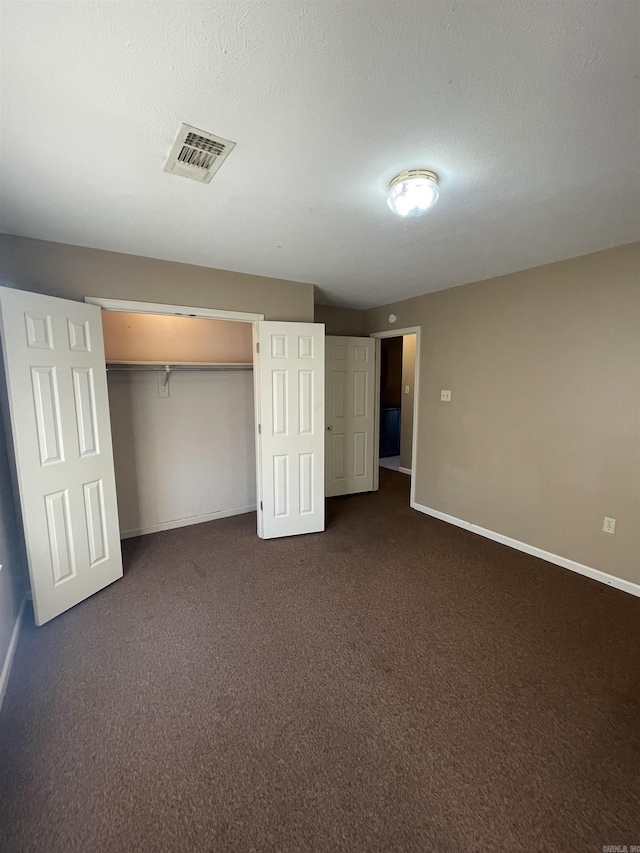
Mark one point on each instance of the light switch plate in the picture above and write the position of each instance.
(445, 396)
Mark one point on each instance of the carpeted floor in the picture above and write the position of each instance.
(395, 684)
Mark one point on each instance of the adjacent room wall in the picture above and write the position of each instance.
(154, 337)
(391, 372)
(75, 272)
(406, 415)
(340, 321)
(541, 438)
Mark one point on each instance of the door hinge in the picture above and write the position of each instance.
(260, 506)
(258, 347)
(259, 429)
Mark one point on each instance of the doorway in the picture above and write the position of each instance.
(182, 419)
(398, 358)
(182, 415)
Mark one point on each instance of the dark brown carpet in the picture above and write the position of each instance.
(395, 684)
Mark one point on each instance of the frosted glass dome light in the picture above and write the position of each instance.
(413, 193)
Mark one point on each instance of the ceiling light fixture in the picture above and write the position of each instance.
(413, 193)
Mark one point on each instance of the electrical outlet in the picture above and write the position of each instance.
(609, 525)
(445, 396)
(407, 389)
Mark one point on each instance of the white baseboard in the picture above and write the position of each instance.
(405, 470)
(594, 574)
(8, 659)
(185, 522)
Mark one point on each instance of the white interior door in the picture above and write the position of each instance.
(350, 422)
(59, 414)
(289, 376)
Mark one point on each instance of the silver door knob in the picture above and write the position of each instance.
(329, 428)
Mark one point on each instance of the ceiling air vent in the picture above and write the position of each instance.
(197, 154)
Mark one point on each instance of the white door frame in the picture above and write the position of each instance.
(397, 333)
(135, 307)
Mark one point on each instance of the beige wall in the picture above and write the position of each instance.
(340, 321)
(153, 337)
(74, 272)
(406, 416)
(541, 439)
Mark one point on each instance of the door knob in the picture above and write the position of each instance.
(329, 428)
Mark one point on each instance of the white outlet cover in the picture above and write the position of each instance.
(609, 525)
(445, 396)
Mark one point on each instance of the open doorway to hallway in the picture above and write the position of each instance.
(397, 396)
(364, 399)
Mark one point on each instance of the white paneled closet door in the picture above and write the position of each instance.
(289, 376)
(59, 413)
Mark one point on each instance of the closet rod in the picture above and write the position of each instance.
(170, 368)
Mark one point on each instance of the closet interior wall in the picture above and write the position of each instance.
(183, 453)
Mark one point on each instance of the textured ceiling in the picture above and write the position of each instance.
(529, 112)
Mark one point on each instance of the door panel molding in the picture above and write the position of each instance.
(350, 418)
(58, 412)
(289, 393)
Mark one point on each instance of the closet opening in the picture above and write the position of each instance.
(181, 399)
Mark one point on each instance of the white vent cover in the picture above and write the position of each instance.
(197, 154)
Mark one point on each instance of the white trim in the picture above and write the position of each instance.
(256, 427)
(185, 522)
(405, 471)
(399, 333)
(180, 310)
(8, 659)
(564, 562)
(376, 419)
